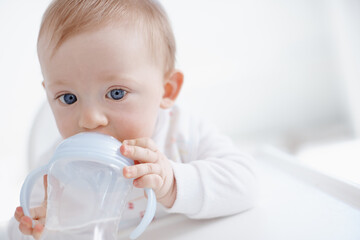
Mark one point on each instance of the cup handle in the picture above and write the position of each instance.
(148, 216)
(27, 187)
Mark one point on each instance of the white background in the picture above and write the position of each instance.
(278, 71)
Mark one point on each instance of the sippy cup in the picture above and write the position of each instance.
(87, 191)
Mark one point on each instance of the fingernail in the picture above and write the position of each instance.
(124, 149)
(127, 149)
(128, 172)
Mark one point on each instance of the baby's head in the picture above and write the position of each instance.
(108, 65)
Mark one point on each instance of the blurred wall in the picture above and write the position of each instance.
(21, 93)
(260, 69)
(346, 28)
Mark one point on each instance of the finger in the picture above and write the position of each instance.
(18, 213)
(25, 225)
(25, 229)
(153, 181)
(37, 231)
(38, 212)
(142, 142)
(139, 170)
(45, 186)
(143, 155)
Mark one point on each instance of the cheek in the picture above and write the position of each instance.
(136, 124)
(65, 125)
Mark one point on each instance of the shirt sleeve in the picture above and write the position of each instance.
(219, 181)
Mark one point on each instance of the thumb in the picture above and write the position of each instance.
(37, 231)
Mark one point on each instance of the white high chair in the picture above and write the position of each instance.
(43, 135)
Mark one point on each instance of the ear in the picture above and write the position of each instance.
(172, 88)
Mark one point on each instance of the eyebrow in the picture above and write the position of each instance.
(108, 78)
(126, 78)
(113, 77)
(56, 82)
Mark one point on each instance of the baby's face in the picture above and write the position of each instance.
(103, 81)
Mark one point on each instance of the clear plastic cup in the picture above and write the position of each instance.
(87, 191)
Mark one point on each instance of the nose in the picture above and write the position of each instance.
(92, 117)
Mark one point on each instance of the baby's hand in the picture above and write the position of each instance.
(38, 214)
(152, 169)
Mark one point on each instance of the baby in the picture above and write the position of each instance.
(108, 67)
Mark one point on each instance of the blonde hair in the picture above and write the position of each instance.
(66, 18)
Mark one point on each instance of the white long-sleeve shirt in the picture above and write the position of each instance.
(214, 178)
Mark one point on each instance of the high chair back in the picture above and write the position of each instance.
(43, 135)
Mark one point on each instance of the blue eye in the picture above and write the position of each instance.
(116, 94)
(68, 98)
